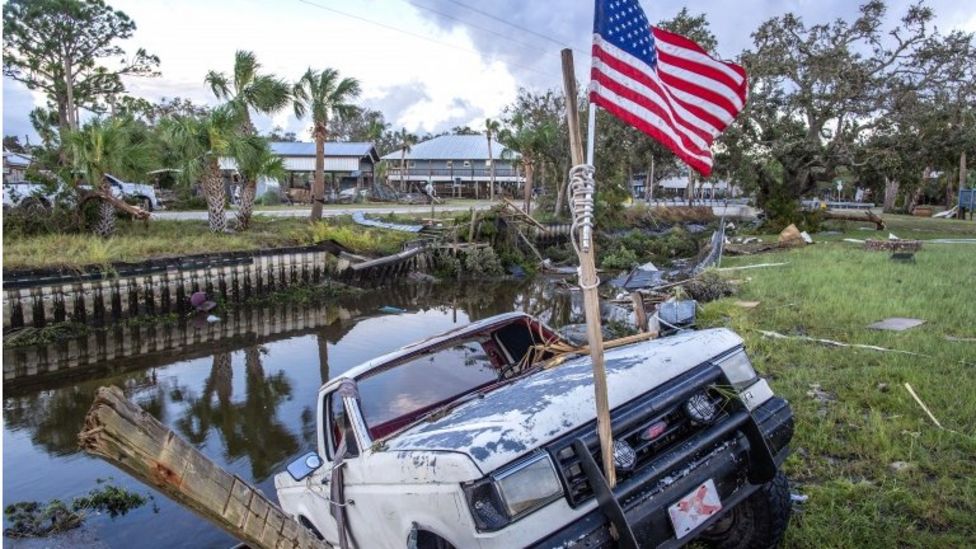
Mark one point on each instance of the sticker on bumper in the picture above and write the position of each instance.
(694, 509)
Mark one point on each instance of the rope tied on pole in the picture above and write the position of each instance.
(582, 189)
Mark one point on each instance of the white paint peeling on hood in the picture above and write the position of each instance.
(519, 417)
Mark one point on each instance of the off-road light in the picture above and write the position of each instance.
(700, 408)
(624, 456)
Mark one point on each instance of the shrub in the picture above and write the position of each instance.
(619, 258)
(482, 262)
(269, 198)
(356, 238)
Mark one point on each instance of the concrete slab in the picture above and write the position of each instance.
(896, 324)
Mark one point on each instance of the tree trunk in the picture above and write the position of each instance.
(890, 195)
(529, 169)
(213, 190)
(70, 94)
(690, 188)
(491, 168)
(246, 208)
(129, 438)
(403, 169)
(649, 183)
(318, 186)
(562, 180)
(917, 193)
(951, 196)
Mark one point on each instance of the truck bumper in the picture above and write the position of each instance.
(739, 455)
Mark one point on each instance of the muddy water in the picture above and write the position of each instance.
(246, 402)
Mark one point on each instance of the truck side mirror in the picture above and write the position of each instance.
(304, 466)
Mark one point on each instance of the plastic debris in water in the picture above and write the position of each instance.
(200, 302)
(392, 310)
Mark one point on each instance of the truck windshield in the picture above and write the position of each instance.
(392, 399)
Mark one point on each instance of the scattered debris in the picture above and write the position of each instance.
(677, 313)
(390, 310)
(806, 237)
(709, 286)
(854, 240)
(791, 237)
(31, 519)
(893, 245)
(900, 466)
(360, 218)
(713, 258)
(747, 304)
(200, 302)
(755, 266)
(883, 387)
(896, 324)
(644, 276)
(821, 396)
(951, 212)
(962, 339)
(799, 498)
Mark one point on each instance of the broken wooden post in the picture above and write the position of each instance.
(129, 438)
(640, 315)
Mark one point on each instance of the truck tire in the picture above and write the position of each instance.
(758, 522)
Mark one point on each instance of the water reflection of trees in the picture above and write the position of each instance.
(54, 418)
(249, 428)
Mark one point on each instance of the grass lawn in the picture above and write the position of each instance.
(135, 241)
(854, 417)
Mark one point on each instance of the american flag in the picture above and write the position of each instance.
(662, 83)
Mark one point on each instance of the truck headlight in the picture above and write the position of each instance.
(513, 492)
(738, 369)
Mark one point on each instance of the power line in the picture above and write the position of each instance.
(469, 24)
(560, 43)
(417, 35)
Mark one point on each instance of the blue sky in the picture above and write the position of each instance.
(427, 64)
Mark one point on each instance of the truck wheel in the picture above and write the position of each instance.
(758, 522)
(428, 540)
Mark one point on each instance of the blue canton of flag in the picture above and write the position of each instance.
(624, 24)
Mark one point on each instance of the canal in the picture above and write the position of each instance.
(245, 400)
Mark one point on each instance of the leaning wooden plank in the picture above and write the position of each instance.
(128, 437)
(868, 217)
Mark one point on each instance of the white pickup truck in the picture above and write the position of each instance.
(499, 448)
(29, 194)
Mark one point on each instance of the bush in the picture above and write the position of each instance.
(356, 238)
(619, 258)
(269, 198)
(482, 262)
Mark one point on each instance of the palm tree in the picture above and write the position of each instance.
(492, 127)
(407, 141)
(531, 142)
(245, 90)
(323, 94)
(108, 146)
(374, 132)
(201, 142)
(254, 165)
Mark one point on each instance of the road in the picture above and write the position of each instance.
(329, 211)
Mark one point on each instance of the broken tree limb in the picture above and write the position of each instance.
(755, 266)
(129, 438)
(640, 315)
(924, 407)
(832, 343)
(519, 213)
(116, 202)
(868, 216)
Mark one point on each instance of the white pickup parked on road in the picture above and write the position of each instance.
(474, 438)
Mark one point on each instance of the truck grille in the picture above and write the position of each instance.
(629, 424)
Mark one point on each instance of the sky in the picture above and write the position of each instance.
(428, 65)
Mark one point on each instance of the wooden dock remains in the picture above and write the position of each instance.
(129, 438)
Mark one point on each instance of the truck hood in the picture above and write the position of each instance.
(519, 417)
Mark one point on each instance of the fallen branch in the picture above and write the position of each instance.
(832, 343)
(756, 266)
(868, 216)
(924, 407)
(119, 204)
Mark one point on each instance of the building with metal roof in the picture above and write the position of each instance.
(456, 165)
(347, 165)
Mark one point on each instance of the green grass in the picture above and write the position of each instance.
(165, 238)
(844, 445)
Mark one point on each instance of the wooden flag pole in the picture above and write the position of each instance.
(587, 276)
